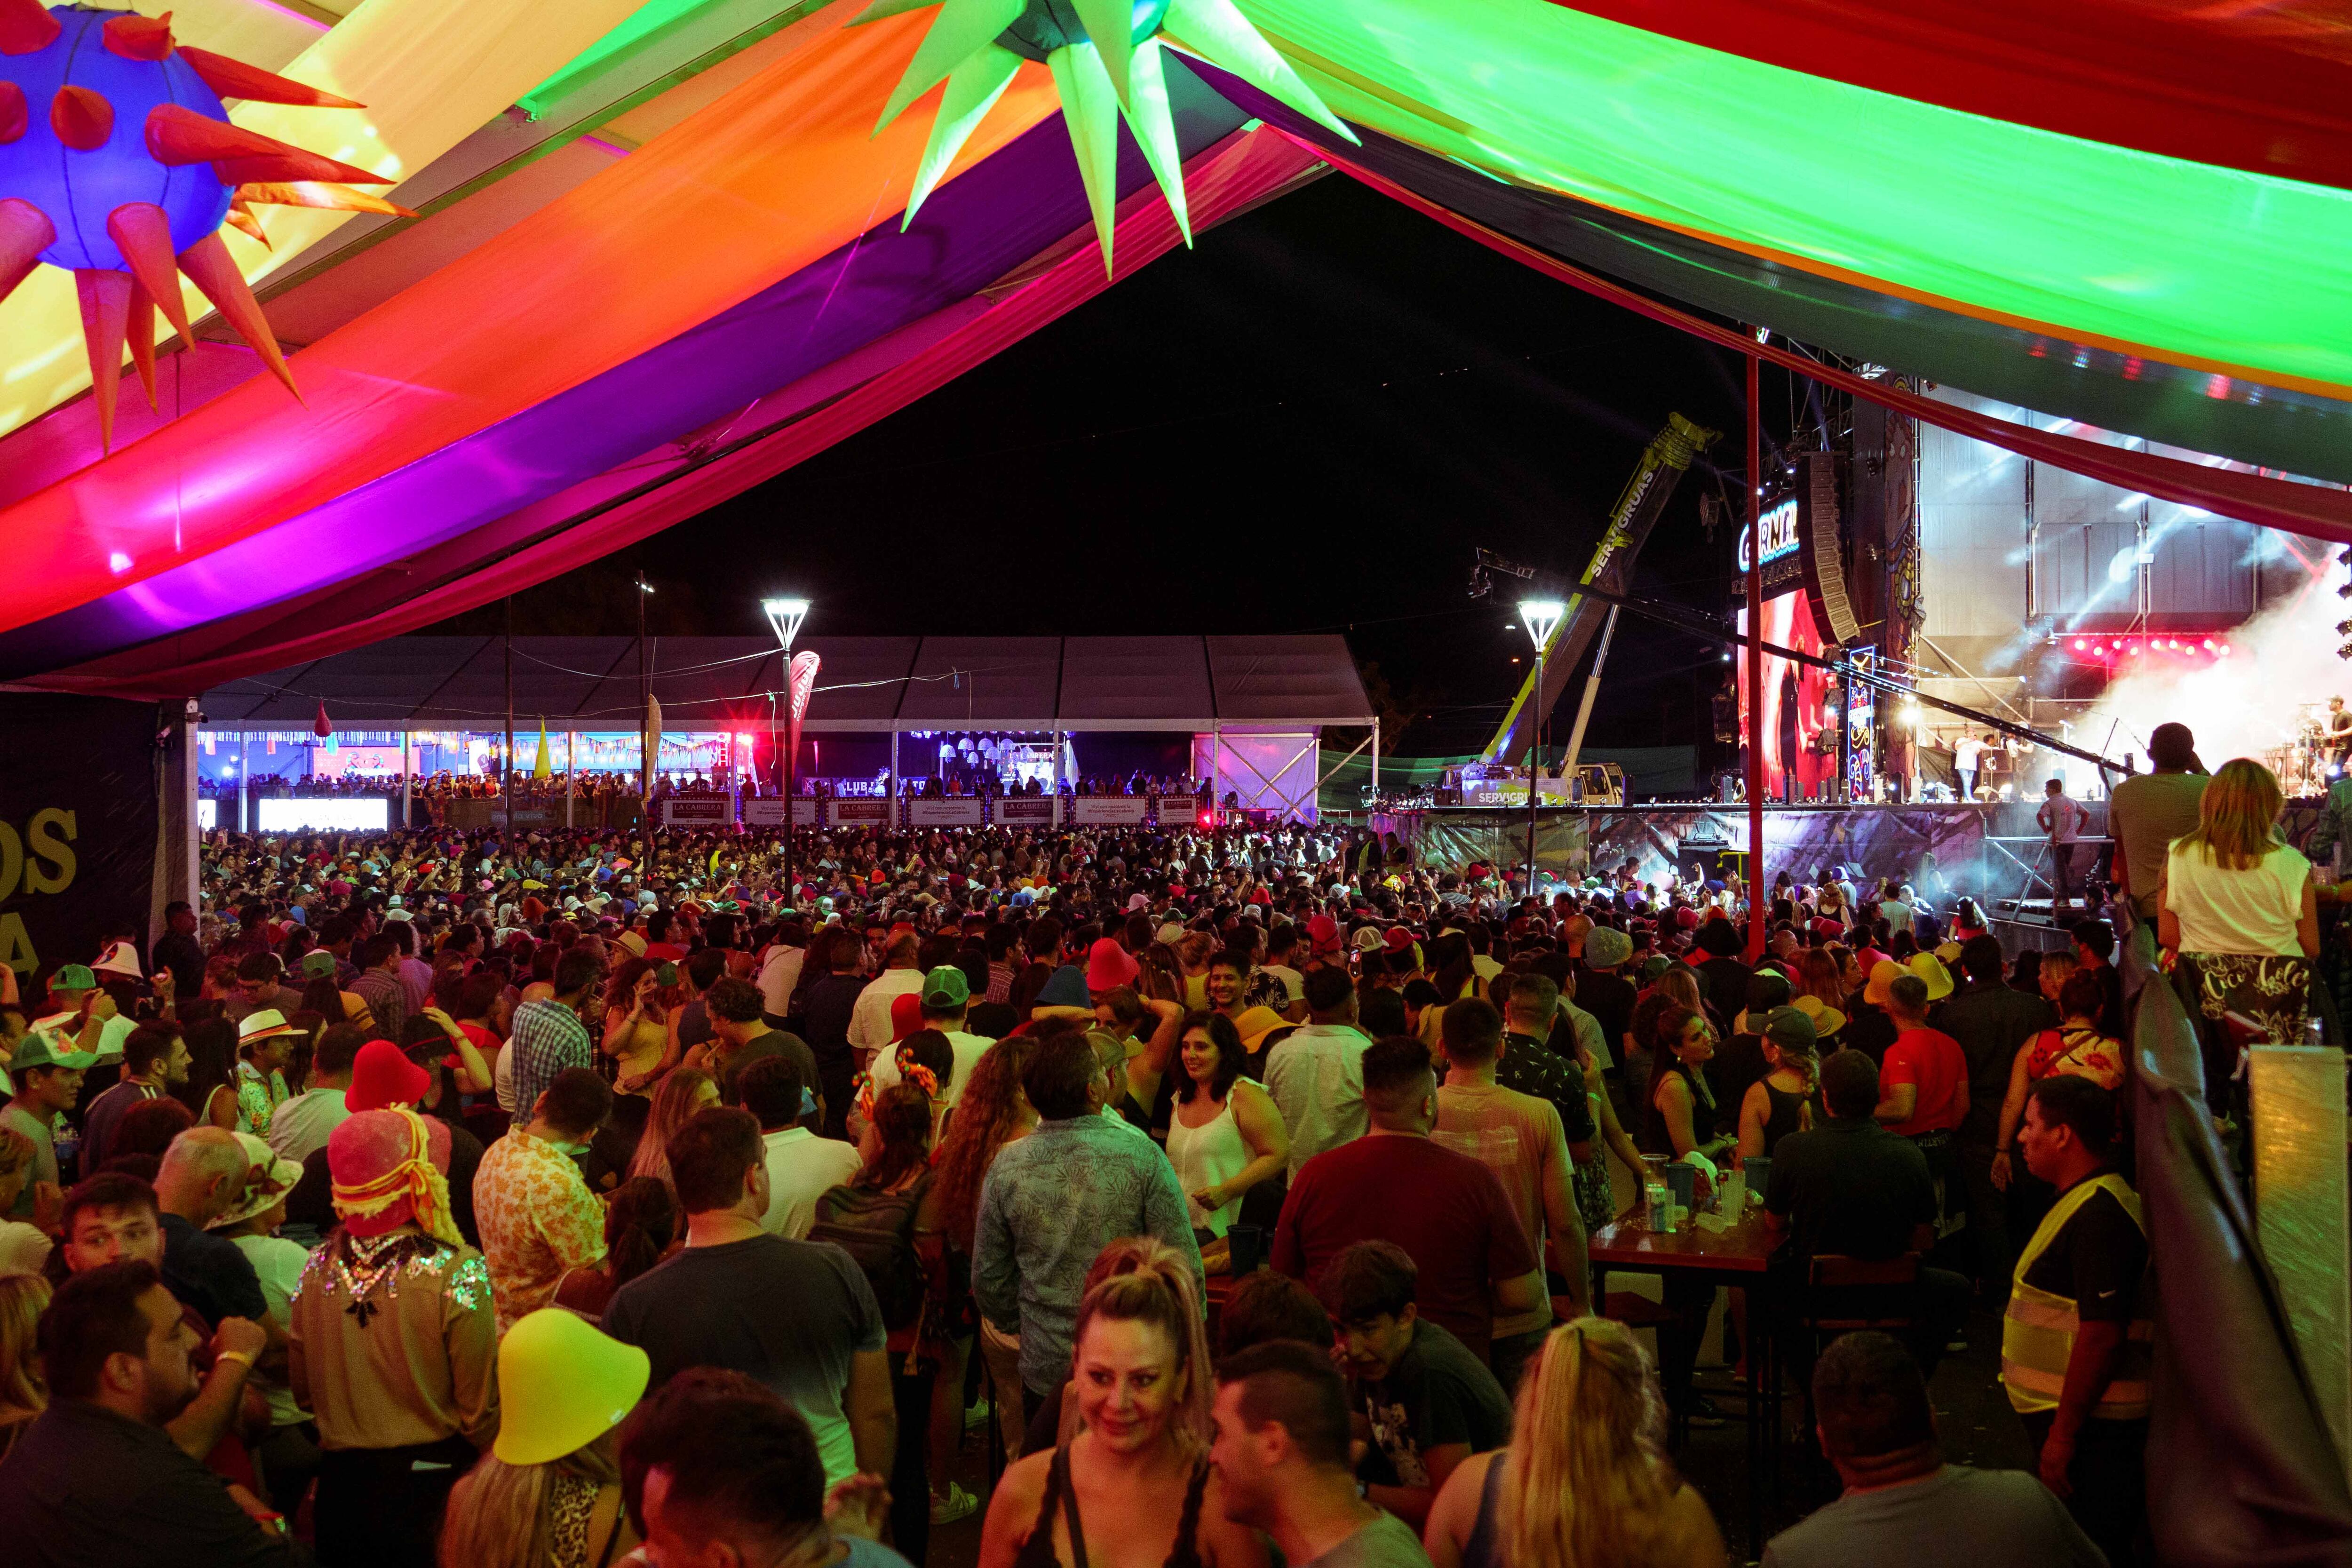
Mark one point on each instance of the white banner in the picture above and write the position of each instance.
(344, 814)
(857, 813)
(1179, 810)
(1026, 810)
(768, 811)
(697, 811)
(1110, 810)
(964, 813)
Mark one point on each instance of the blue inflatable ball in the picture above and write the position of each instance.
(78, 190)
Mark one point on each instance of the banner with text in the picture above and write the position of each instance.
(964, 813)
(857, 813)
(1026, 810)
(76, 826)
(697, 811)
(1179, 810)
(1110, 810)
(768, 811)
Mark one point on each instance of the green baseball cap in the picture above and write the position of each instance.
(1790, 1025)
(73, 977)
(318, 964)
(48, 1048)
(946, 988)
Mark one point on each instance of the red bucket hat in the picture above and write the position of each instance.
(382, 1077)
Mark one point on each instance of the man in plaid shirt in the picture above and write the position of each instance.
(548, 1037)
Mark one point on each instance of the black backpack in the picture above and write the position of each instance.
(877, 1231)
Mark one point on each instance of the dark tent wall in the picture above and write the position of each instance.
(79, 778)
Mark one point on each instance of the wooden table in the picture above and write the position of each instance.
(1738, 1257)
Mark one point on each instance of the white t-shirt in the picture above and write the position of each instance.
(2252, 910)
(1293, 985)
(2063, 818)
(277, 1262)
(778, 974)
(110, 1037)
(802, 1168)
(1965, 754)
(968, 1049)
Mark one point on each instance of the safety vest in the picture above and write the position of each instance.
(2037, 1338)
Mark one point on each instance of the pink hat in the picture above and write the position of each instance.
(1110, 966)
(383, 1076)
(388, 1168)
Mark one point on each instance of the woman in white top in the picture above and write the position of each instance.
(1224, 1135)
(2239, 909)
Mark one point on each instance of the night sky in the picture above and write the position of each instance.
(1306, 423)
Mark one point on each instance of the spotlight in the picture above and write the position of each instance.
(2223, 651)
(2080, 644)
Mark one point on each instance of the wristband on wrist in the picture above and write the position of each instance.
(237, 1356)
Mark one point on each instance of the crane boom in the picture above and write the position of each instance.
(1663, 465)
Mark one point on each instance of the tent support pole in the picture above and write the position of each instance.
(404, 771)
(1755, 664)
(894, 776)
(1376, 759)
(570, 771)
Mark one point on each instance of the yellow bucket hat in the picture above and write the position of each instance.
(562, 1385)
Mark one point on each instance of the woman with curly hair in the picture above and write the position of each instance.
(1585, 1482)
(991, 1113)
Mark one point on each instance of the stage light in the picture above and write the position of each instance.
(2208, 642)
(2223, 651)
(2115, 647)
(2080, 644)
(742, 739)
(784, 619)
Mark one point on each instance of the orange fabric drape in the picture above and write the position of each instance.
(1238, 174)
(777, 173)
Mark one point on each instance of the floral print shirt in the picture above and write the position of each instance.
(537, 1219)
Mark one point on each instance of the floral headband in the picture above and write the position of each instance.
(912, 1072)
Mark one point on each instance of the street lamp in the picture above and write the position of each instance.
(1541, 617)
(785, 618)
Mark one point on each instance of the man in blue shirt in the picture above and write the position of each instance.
(1054, 1199)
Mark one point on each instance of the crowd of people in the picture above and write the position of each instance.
(433, 1196)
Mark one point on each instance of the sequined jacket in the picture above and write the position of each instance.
(395, 1340)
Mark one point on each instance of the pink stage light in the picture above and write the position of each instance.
(2080, 644)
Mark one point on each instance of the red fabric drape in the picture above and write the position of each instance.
(1230, 178)
(2315, 512)
(2259, 86)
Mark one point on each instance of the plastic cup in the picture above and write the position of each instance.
(1247, 1246)
(1757, 1169)
(1683, 1182)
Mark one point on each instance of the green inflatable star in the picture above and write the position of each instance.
(976, 46)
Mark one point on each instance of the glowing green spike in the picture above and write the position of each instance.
(973, 90)
(1155, 129)
(963, 29)
(881, 8)
(1110, 24)
(1090, 113)
(1224, 37)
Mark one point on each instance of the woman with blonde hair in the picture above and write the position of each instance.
(23, 1394)
(684, 1092)
(1138, 1463)
(1585, 1482)
(547, 1494)
(2239, 910)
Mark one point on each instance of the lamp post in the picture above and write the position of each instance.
(784, 619)
(1541, 617)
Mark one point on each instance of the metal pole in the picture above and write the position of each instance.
(244, 767)
(1535, 764)
(792, 745)
(405, 769)
(1754, 670)
(645, 722)
(1054, 817)
(507, 785)
(1592, 689)
(893, 820)
(570, 771)
(1376, 759)
(1216, 774)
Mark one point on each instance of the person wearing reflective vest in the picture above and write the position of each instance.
(2074, 1347)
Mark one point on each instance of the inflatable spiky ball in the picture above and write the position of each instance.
(119, 163)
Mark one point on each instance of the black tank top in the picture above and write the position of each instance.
(1660, 1141)
(1788, 1110)
(1037, 1551)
